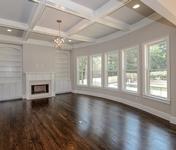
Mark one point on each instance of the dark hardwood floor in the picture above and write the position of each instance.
(78, 122)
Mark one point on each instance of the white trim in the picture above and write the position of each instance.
(34, 18)
(130, 92)
(141, 24)
(13, 24)
(88, 40)
(12, 99)
(156, 98)
(163, 7)
(63, 92)
(106, 55)
(146, 69)
(173, 120)
(111, 89)
(150, 110)
(123, 63)
(77, 70)
(90, 66)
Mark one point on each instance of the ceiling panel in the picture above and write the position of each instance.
(17, 10)
(97, 30)
(14, 32)
(50, 16)
(130, 15)
(92, 4)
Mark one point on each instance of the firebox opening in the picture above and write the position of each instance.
(40, 89)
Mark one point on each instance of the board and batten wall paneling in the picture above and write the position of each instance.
(62, 74)
(10, 72)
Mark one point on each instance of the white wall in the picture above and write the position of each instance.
(38, 58)
(47, 59)
(148, 33)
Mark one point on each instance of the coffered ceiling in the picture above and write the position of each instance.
(84, 22)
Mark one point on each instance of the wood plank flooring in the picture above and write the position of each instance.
(78, 122)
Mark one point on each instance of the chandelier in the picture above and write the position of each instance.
(59, 41)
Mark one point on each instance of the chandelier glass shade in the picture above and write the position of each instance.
(59, 41)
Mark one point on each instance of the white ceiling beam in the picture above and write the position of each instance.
(82, 38)
(71, 7)
(165, 8)
(13, 24)
(48, 31)
(98, 15)
(144, 22)
(79, 26)
(19, 41)
(35, 17)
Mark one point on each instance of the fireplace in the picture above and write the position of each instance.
(39, 89)
(39, 85)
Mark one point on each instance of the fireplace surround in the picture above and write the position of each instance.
(39, 85)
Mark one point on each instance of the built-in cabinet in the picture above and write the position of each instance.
(62, 73)
(10, 72)
(13, 83)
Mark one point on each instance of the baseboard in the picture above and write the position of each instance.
(150, 110)
(11, 99)
(63, 92)
(173, 120)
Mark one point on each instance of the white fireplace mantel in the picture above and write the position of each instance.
(34, 78)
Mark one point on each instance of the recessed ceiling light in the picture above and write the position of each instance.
(70, 40)
(9, 30)
(136, 6)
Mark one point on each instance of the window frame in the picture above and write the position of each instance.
(123, 64)
(91, 71)
(105, 70)
(146, 71)
(77, 71)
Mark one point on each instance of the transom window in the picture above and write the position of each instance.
(156, 73)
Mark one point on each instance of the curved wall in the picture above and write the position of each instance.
(149, 33)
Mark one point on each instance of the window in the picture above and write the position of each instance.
(111, 69)
(156, 69)
(96, 63)
(130, 69)
(82, 64)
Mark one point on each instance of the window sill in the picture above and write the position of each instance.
(96, 87)
(78, 85)
(111, 89)
(130, 92)
(158, 99)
